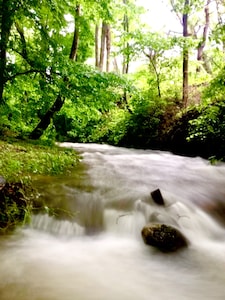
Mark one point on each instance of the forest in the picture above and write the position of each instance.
(112, 149)
(97, 71)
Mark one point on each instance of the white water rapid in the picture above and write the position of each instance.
(101, 254)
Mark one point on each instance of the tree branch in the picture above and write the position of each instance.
(27, 72)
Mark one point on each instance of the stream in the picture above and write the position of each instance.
(98, 252)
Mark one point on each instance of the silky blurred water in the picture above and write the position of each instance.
(99, 253)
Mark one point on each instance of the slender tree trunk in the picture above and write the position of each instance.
(6, 21)
(74, 48)
(206, 63)
(200, 54)
(126, 57)
(115, 65)
(185, 78)
(185, 54)
(103, 42)
(108, 47)
(96, 46)
(152, 61)
(158, 84)
(157, 74)
(220, 17)
(105, 46)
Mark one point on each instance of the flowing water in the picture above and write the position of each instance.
(99, 253)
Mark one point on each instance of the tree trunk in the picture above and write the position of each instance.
(6, 21)
(108, 47)
(96, 46)
(105, 45)
(185, 54)
(126, 57)
(102, 51)
(206, 63)
(220, 16)
(46, 119)
(185, 78)
(157, 74)
(153, 62)
(74, 48)
(200, 54)
(115, 65)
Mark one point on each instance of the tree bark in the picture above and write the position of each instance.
(74, 48)
(115, 65)
(152, 61)
(108, 47)
(103, 42)
(46, 119)
(200, 54)
(126, 57)
(185, 53)
(6, 21)
(96, 46)
(105, 47)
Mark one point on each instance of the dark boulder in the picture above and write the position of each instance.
(164, 237)
(13, 205)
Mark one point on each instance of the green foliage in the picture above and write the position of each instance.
(112, 127)
(37, 38)
(187, 7)
(209, 128)
(144, 123)
(19, 161)
(169, 79)
(88, 93)
(162, 76)
(95, 95)
(76, 123)
(216, 88)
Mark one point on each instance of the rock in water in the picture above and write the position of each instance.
(157, 197)
(164, 237)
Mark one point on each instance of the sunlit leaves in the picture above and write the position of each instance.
(187, 7)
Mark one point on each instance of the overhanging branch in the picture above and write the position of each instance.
(25, 73)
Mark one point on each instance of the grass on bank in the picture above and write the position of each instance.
(20, 160)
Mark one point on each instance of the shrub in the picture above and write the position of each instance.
(209, 129)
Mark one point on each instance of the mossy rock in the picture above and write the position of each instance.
(164, 237)
(13, 205)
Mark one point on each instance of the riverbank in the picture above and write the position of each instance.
(19, 162)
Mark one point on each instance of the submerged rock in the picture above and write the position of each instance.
(164, 237)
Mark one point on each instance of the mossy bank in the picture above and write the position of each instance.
(19, 162)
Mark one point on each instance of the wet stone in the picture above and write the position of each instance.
(12, 205)
(164, 237)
